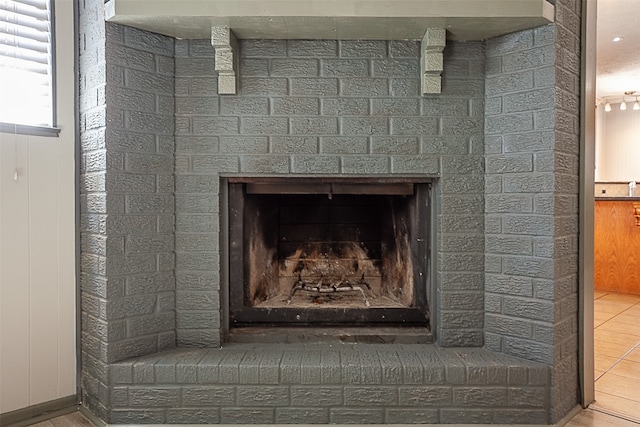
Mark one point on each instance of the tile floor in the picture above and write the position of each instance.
(592, 418)
(585, 418)
(617, 354)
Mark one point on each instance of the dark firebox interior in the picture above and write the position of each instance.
(328, 253)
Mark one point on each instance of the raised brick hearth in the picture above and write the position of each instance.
(338, 384)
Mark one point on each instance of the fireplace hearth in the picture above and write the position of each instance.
(329, 251)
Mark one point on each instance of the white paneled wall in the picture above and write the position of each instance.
(37, 250)
(618, 144)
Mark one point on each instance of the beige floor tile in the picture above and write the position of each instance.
(75, 419)
(616, 325)
(623, 298)
(594, 418)
(610, 349)
(634, 308)
(617, 404)
(599, 294)
(632, 314)
(604, 363)
(600, 318)
(610, 307)
(603, 334)
(619, 386)
(615, 305)
(629, 369)
(634, 356)
(629, 317)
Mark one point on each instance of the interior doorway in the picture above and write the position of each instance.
(610, 338)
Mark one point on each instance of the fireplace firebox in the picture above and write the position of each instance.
(329, 251)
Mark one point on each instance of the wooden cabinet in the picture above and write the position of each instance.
(617, 247)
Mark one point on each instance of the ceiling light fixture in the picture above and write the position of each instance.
(623, 105)
(617, 39)
(607, 107)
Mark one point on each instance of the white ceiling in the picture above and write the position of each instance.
(618, 63)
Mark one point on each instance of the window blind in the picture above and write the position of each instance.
(26, 57)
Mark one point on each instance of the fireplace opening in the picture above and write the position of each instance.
(320, 251)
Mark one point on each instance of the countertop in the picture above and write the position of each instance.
(617, 199)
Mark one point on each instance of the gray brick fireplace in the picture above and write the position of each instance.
(498, 149)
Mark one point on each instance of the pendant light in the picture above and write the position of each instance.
(623, 105)
(607, 107)
(636, 105)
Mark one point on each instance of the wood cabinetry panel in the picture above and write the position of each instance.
(617, 248)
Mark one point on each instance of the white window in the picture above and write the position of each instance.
(26, 64)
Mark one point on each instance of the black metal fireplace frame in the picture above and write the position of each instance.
(241, 315)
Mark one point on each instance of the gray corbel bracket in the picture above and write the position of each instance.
(431, 62)
(225, 46)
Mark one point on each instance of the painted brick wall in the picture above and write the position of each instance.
(93, 204)
(520, 187)
(532, 169)
(140, 184)
(328, 108)
(127, 201)
(565, 374)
